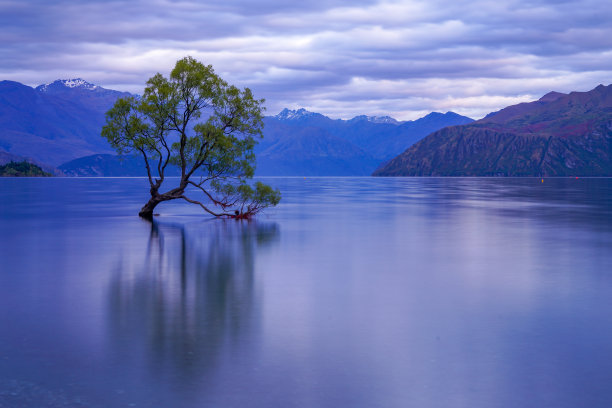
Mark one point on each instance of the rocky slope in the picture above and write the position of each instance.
(558, 135)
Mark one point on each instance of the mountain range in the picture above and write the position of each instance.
(557, 135)
(57, 126)
(299, 142)
(54, 123)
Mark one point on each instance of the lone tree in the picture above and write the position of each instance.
(196, 121)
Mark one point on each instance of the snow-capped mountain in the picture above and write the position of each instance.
(299, 114)
(67, 83)
(300, 142)
(55, 122)
(376, 119)
(83, 92)
(81, 89)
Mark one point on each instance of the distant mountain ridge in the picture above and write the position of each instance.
(300, 142)
(110, 165)
(302, 114)
(376, 119)
(62, 84)
(58, 125)
(56, 122)
(557, 135)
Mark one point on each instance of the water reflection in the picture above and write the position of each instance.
(191, 298)
(381, 293)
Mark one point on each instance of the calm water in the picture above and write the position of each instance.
(354, 292)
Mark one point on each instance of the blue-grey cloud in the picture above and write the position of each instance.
(338, 57)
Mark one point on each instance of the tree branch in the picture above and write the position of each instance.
(148, 167)
(222, 203)
(204, 207)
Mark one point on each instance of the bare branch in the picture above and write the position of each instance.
(204, 207)
(223, 203)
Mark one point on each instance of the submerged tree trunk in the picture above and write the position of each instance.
(146, 211)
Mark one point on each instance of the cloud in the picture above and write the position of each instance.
(338, 57)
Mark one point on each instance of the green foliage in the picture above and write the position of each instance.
(197, 121)
(22, 169)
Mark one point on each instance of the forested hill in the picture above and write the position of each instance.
(557, 135)
(22, 169)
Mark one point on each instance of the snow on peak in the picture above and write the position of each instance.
(287, 114)
(376, 119)
(78, 83)
(383, 119)
(69, 83)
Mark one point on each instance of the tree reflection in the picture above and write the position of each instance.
(189, 298)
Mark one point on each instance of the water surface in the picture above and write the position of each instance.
(354, 292)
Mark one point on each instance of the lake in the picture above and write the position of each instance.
(353, 292)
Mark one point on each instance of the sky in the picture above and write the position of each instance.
(336, 57)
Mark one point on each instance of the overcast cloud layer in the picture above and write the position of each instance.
(340, 58)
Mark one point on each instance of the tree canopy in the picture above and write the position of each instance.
(194, 120)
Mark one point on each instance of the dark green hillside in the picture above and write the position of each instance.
(22, 169)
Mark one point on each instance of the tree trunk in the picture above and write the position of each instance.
(147, 211)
